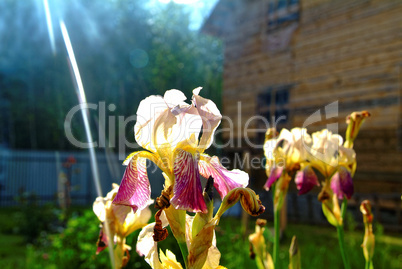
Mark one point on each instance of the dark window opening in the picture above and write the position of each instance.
(273, 105)
(282, 13)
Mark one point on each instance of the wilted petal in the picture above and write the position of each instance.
(276, 173)
(147, 247)
(200, 245)
(102, 241)
(134, 189)
(187, 189)
(342, 183)
(210, 115)
(224, 180)
(306, 179)
(213, 258)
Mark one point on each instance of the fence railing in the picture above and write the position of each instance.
(38, 174)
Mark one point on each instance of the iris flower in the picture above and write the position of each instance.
(285, 153)
(199, 232)
(122, 222)
(169, 130)
(258, 248)
(333, 161)
(147, 247)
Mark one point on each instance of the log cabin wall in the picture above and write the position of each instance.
(344, 51)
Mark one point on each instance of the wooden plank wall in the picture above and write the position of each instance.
(345, 51)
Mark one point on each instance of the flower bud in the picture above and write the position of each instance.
(369, 238)
(342, 183)
(248, 200)
(306, 179)
(294, 254)
(354, 121)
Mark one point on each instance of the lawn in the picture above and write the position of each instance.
(318, 246)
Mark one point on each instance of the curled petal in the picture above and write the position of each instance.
(224, 180)
(134, 189)
(248, 199)
(342, 183)
(187, 189)
(160, 233)
(276, 173)
(306, 179)
(210, 115)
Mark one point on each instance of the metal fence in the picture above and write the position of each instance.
(37, 174)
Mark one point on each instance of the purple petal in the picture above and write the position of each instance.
(187, 189)
(306, 179)
(342, 183)
(134, 189)
(276, 173)
(224, 180)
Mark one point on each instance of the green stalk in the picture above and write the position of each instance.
(276, 238)
(342, 246)
(341, 236)
(276, 230)
(184, 251)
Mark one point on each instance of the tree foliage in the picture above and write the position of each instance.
(126, 50)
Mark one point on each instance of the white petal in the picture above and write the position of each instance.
(211, 118)
(146, 246)
(149, 110)
(174, 98)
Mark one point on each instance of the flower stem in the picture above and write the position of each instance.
(276, 238)
(341, 236)
(184, 252)
(342, 246)
(369, 265)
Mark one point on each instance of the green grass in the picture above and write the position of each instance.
(318, 245)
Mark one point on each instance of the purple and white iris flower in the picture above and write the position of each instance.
(169, 130)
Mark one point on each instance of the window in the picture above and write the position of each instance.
(282, 13)
(273, 105)
(282, 19)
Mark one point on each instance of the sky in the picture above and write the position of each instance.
(200, 9)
